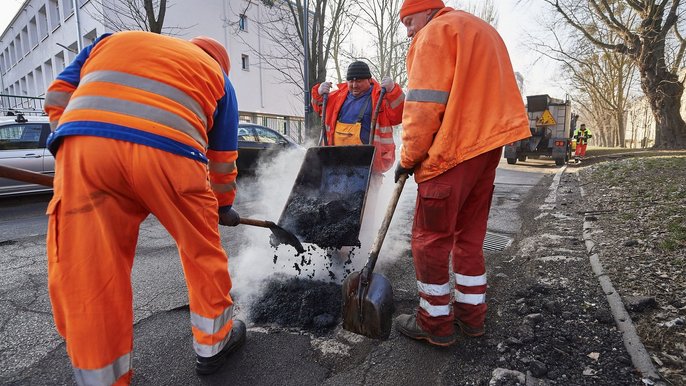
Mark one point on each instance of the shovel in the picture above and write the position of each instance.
(280, 235)
(368, 296)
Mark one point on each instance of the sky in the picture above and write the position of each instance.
(514, 20)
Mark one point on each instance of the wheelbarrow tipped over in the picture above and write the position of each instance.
(327, 200)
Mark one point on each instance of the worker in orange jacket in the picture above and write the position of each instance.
(349, 112)
(348, 120)
(143, 123)
(462, 106)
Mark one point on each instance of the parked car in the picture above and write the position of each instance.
(23, 139)
(256, 142)
(22, 145)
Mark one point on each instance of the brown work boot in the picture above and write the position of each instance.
(469, 330)
(210, 365)
(407, 325)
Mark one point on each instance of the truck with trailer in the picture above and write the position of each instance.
(552, 124)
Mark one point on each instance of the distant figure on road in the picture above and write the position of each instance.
(462, 106)
(136, 116)
(581, 135)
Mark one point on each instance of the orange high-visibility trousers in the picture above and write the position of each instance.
(580, 150)
(104, 189)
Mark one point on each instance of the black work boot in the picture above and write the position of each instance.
(210, 365)
(469, 330)
(407, 325)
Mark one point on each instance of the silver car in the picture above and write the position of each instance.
(22, 145)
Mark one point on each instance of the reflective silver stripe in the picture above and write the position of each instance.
(383, 141)
(224, 188)
(397, 101)
(433, 289)
(149, 85)
(470, 298)
(434, 310)
(57, 98)
(434, 96)
(222, 167)
(139, 110)
(106, 375)
(206, 350)
(211, 326)
(53, 125)
(470, 281)
(385, 129)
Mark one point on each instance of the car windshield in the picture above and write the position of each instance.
(24, 136)
(267, 136)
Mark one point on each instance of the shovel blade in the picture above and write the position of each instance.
(368, 310)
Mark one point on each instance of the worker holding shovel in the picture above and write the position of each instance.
(352, 110)
(136, 116)
(462, 106)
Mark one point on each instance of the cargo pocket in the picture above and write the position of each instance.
(433, 206)
(52, 237)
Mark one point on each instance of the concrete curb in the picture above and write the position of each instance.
(638, 353)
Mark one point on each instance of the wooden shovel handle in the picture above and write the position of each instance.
(25, 176)
(257, 223)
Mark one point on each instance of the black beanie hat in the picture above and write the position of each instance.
(358, 70)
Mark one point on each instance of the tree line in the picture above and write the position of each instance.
(622, 59)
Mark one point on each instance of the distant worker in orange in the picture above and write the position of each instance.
(581, 135)
(462, 106)
(143, 123)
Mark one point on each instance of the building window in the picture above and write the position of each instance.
(54, 14)
(49, 75)
(245, 62)
(26, 45)
(33, 32)
(59, 62)
(40, 81)
(89, 38)
(242, 22)
(42, 22)
(68, 7)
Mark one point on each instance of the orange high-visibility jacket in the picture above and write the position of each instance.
(462, 97)
(154, 90)
(390, 114)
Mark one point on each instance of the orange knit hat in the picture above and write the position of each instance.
(215, 49)
(410, 7)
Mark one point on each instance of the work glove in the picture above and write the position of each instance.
(324, 88)
(228, 217)
(387, 83)
(400, 170)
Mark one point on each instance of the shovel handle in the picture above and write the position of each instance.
(375, 116)
(257, 223)
(378, 242)
(25, 176)
(325, 99)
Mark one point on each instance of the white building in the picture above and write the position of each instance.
(45, 36)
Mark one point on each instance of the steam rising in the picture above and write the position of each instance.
(257, 261)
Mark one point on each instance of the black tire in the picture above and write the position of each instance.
(512, 161)
(521, 158)
(560, 162)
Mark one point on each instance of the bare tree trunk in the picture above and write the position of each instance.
(664, 94)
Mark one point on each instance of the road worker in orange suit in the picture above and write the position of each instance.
(143, 123)
(462, 106)
(349, 114)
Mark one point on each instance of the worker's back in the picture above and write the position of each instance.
(149, 82)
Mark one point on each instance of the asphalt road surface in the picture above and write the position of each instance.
(31, 352)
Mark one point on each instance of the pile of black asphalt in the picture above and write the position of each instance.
(329, 222)
(298, 303)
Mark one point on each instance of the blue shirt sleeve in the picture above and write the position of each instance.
(72, 73)
(224, 133)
